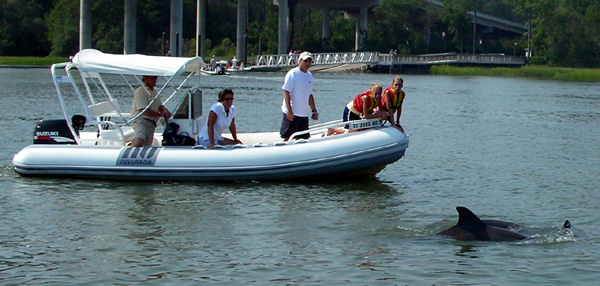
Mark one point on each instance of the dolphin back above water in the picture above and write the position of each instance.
(470, 227)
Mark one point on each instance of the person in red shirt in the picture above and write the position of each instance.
(363, 106)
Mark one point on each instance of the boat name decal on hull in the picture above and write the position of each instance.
(138, 156)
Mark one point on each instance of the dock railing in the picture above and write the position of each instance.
(318, 59)
(376, 58)
(450, 58)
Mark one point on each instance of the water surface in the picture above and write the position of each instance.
(513, 149)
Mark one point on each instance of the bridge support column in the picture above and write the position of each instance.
(326, 28)
(242, 20)
(85, 24)
(176, 28)
(427, 34)
(284, 19)
(361, 30)
(130, 28)
(200, 27)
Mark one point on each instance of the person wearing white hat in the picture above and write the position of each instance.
(298, 101)
(213, 63)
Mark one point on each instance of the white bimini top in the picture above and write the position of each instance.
(91, 60)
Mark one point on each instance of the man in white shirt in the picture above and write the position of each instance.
(298, 101)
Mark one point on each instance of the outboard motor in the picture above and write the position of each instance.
(78, 122)
(53, 131)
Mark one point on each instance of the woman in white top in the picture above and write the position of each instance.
(221, 116)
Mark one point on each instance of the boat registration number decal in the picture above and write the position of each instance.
(138, 156)
(364, 124)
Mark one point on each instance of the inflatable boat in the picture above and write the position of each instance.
(92, 138)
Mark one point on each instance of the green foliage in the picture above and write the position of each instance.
(459, 27)
(226, 49)
(542, 72)
(343, 38)
(267, 29)
(108, 34)
(63, 28)
(307, 21)
(397, 25)
(565, 32)
(32, 61)
(22, 28)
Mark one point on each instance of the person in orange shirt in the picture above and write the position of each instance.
(391, 101)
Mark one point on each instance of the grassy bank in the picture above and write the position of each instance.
(542, 72)
(31, 61)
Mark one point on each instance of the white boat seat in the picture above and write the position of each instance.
(115, 137)
(102, 112)
(103, 108)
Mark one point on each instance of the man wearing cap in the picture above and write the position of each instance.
(145, 124)
(298, 101)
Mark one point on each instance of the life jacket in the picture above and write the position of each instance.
(397, 98)
(356, 105)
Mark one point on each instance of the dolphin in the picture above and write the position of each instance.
(470, 227)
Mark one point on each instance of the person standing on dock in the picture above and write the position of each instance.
(298, 101)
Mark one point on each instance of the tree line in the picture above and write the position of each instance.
(564, 32)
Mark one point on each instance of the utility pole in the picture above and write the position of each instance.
(474, 29)
(529, 51)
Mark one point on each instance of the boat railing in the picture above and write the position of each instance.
(347, 125)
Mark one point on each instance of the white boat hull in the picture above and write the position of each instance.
(364, 153)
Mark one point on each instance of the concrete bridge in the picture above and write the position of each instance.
(375, 60)
(359, 11)
(489, 24)
(355, 9)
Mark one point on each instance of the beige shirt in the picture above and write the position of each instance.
(141, 99)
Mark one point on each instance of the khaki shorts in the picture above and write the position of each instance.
(144, 129)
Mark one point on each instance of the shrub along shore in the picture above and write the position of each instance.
(31, 61)
(541, 72)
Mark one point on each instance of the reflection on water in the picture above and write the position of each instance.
(467, 251)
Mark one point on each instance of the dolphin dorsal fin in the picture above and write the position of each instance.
(467, 217)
